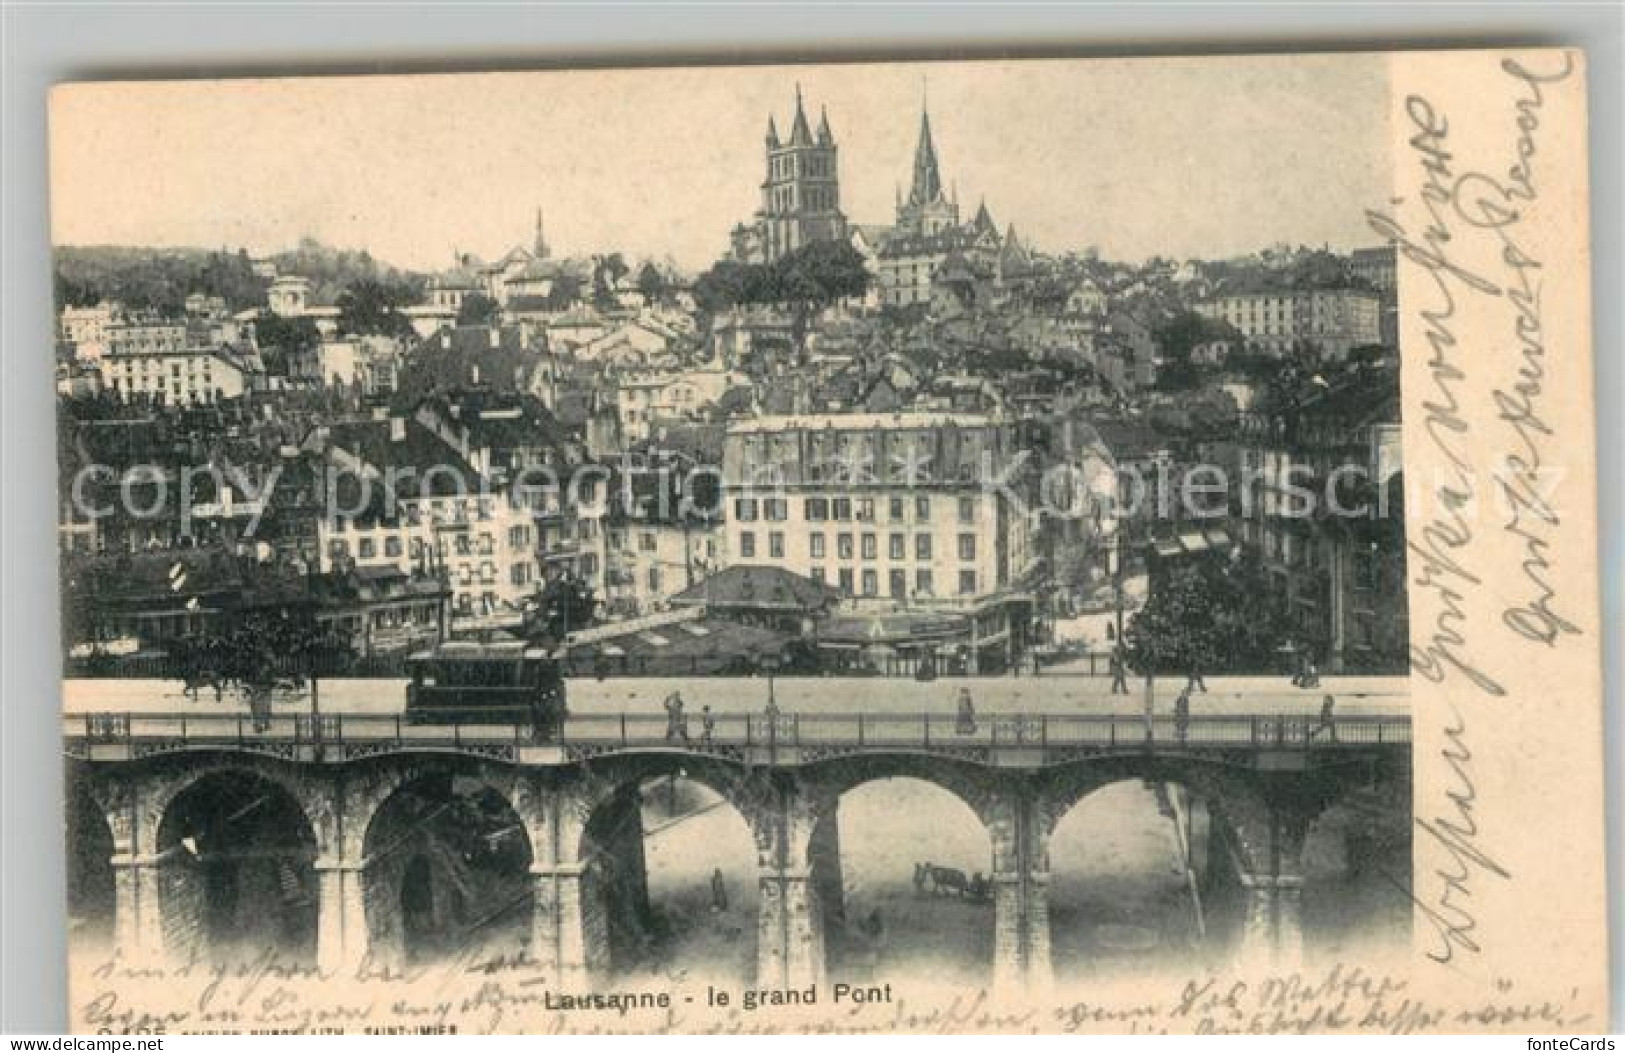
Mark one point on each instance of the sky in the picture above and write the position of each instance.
(1175, 157)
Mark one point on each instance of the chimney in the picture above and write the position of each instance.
(474, 373)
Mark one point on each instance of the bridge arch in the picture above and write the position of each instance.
(235, 849)
(91, 883)
(904, 887)
(1356, 863)
(445, 855)
(669, 850)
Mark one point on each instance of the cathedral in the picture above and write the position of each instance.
(801, 194)
(801, 204)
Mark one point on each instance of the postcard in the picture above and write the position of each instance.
(1013, 546)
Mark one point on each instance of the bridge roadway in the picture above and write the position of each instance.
(1017, 721)
(1256, 751)
(1226, 696)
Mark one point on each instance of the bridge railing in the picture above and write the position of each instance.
(643, 730)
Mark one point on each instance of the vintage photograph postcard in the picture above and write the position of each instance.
(1043, 545)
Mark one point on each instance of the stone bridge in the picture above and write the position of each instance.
(324, 819)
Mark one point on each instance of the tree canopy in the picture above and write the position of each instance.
(562, 605)
(479, 309)
(814, 275)
(1208, 615)
(373, 307)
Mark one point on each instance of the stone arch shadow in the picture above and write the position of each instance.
(445, 846)
(235, 847)
(870, 921)
(693, 909)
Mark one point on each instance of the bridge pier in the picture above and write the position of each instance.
(1272, 926)
(138, 928)
(558, 933)
(1022, 962)
(341, 916)
(790, 940)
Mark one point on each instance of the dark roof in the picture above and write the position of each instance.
(1128, 440)
(758, 587)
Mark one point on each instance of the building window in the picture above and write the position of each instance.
(967, 582)
(654, 579)
(922, 509)
(896, 510)
(866, 510)
(392, 547)
(967, 546)
(486, 544)
(647, 543)
(922, 583)
(869, 546)
(817, 509)
(967, 509)
(776, 509)
(843, 509)
(518, 537)
(745, 509)
(896, 546)
(337, 548)
(898, 582)
(871, 583)
(775, 544)
(922, 546)
(815, 546)
(843, 546)
(367, 548)
(1367, 570)
(747, 545)
(846, 580)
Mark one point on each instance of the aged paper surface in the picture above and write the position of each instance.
(1134, 574)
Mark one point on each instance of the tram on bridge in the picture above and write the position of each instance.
(463, 682)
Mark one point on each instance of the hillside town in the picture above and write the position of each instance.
(910, 445)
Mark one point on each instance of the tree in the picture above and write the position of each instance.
(607, 271)
(258, 650)
(478, 309)
(563, 605)
(1208, 615)
(651, 283)
(1178, 338)
(565, 292)
(282, 340)
(373, 307)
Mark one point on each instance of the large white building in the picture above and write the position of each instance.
(183, 375)
(641, 398)
(905, 508)
(1279, 321)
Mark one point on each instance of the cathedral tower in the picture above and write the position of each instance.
(801, 196)
(927, 211)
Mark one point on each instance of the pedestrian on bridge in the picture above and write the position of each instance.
(708, 727)
(965, 722)
(1119, 669)
(676, 719)
(1328, 723)
(1195, 681)
(1182, 715)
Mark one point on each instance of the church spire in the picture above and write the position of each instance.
(927, 186)
(824, 136)
(772, 133)
(800, 134)
(540, 248)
